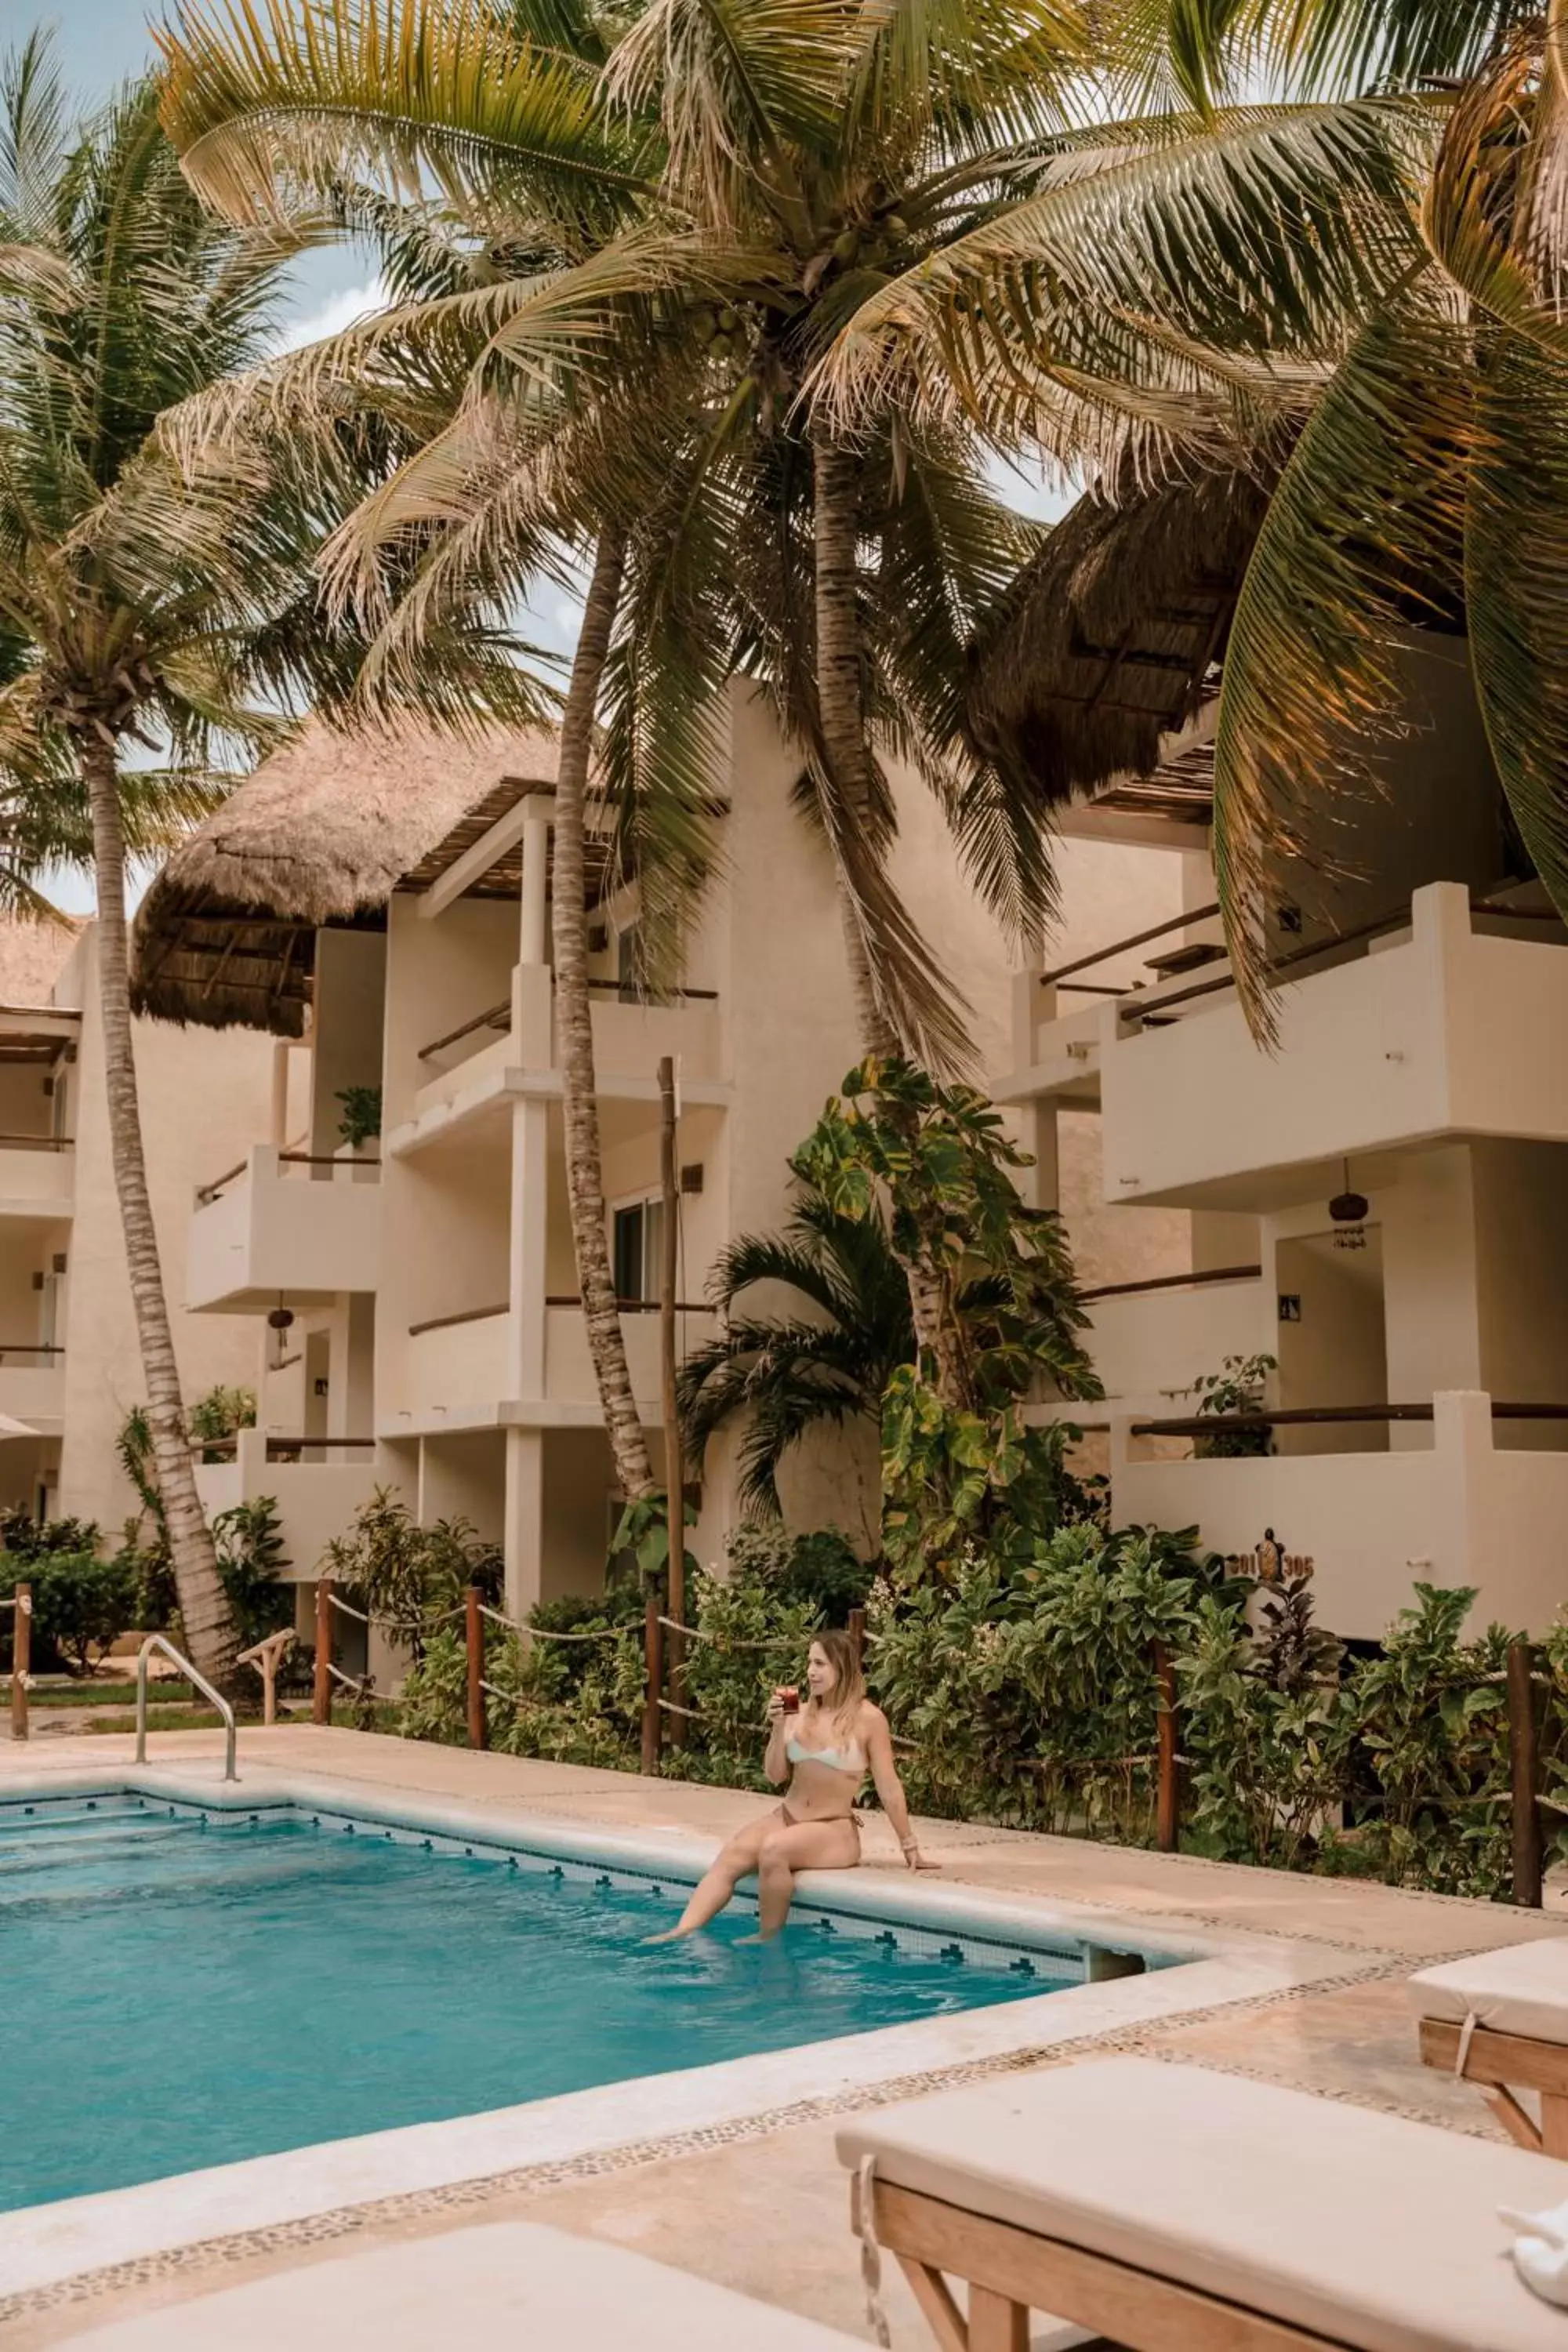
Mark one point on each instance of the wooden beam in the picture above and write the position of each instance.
(476, 861)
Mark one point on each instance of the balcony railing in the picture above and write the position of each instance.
(279, 1449)
(332, 1159)
(38, 1143)
(494, 1016)
(1321, 1416)
(37, 1353)
(1161, 1006)
(1156, 1281)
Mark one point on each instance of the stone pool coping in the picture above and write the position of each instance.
(43, 2246)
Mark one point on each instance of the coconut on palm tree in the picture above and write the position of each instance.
(148, 612)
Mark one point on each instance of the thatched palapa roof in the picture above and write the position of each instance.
(322, 833)
(1111, 640)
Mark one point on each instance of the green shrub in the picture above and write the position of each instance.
(819, 1567)
(80, 1603)
(250, 1561)
(413, 1575)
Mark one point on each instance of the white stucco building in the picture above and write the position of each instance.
(1422, 1368)
(70, 1366)
(383, 912)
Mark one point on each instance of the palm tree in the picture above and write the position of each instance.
(140, 604)
(826, 1363)
(788, 166)
(763, 172)
(1432, 480)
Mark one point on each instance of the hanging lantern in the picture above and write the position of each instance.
(1348, 1211)
(282, 1317)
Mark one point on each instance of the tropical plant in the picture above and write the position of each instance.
(412, 1575)
(144, 607)
(1238, 1386)
(251, 1558)
(360, 1121)
(1431, 484)
(995, 1309)
(818, 1566)
(828, 1362)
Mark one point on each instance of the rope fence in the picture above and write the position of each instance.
(665, 1703)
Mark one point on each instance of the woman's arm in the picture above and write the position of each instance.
(890, 1788)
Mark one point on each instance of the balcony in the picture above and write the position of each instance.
(317, 1484)
(1150, 1339)
(457, 1368)
(284, 1224)
(33, 1386)
(569, 1367)
(1440, 1022)
(1443, 1501)
(512, 1048)
(38, 1176)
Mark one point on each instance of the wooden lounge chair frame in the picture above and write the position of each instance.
(1011, 2271)
(1495, 2061)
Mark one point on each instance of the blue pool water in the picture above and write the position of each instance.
(185, 1987)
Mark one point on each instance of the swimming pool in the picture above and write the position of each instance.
(191, 1984)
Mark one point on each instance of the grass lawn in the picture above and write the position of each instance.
(107, 1692)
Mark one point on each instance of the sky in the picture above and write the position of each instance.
(100, 42)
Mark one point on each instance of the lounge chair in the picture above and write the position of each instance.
(1501, 2019)
(511, 2285)
(1172, 2209)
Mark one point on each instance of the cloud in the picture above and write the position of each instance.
(330, 316)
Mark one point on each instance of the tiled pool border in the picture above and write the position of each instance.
(52, 2252)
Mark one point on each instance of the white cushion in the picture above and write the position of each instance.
(506, 2284)
(1521, 1990)
(1379, 2233)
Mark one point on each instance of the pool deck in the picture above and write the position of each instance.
(761, 2204)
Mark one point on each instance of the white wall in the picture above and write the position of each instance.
(206, 1097)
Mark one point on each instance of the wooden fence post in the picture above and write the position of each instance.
(21, 1659)
(474, 1629)
(1168, 1816)
(1524, 1781)
(653, 1667)
(858, 1638)
(321, 1690)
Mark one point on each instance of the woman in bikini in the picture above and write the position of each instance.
(825, 1750)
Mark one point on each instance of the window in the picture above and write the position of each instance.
(638, 1238)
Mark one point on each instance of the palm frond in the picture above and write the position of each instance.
(1516, 579)
(1265, 233)
(1363, 535)
(268, 106)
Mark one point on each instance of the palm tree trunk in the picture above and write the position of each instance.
(574, 1029)
(204, 1612)
(839, 698)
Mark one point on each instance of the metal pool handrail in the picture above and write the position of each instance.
(199, 1682)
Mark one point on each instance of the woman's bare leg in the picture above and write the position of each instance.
(719, 1882)
(799, 1846)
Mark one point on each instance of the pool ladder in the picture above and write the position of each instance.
(199, 1682)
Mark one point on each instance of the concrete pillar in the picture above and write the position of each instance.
(350, 1392)
(526, 1295)
(532, 947)
(1040, 1185)
(1463, 1443)
(523, 1539)
(278, 1129)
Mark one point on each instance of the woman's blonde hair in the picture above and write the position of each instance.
(848, 1682)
